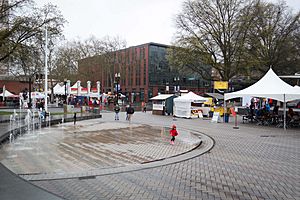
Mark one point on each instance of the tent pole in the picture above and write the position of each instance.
(284, 112)
(224, 110)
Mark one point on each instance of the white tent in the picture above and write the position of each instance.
(269, 86)
(57, 89)
(75, 90)
(7, 94)
(183, 104)
(162, 96)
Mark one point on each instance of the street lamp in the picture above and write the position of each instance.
(117, 78)
(176, 87)
(167, 87)
(65, 82)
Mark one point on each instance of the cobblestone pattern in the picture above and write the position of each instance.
(71, 151)
(252, 162)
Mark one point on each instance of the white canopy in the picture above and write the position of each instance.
(75, 85)
(57, 89)
(7, 94)
(297, 87)
(183, 104)
(161, 97)
(269, 86)
(74, 89)
(191, 97)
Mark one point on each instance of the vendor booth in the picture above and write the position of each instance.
(9, 99)
(269, 86)
(162, 104)
(213, 104)
(188, 105)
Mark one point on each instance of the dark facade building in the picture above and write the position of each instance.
(143, 73)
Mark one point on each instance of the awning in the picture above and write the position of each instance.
(161, 97)
(216, 95)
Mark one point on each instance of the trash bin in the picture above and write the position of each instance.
(226, 117)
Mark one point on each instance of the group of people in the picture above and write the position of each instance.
(129, 112)
(269, 113)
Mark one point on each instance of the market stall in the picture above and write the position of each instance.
(188, 105)
(162, 104)
(9, 99)
(269, 86)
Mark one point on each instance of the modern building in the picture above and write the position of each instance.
(139, 72)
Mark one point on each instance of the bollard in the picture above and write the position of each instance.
(235, 122)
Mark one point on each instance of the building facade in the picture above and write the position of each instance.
(143, 72)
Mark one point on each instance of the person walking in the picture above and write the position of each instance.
(173, 133)
(74, 118)
(130, 111)
(117, 110)
(126, 109)
(144, 106)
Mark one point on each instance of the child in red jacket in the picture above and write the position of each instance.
(173, 133)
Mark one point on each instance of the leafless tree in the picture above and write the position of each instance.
(27, 58)
(96, 53)
(215, 31)
(273, 39)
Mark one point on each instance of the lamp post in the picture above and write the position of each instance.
(167, 87)
(117, 78)
(65, 82)
(46, 70)
(176, 87)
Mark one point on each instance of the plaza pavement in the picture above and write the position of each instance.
(252, 162)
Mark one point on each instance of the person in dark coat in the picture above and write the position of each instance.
(117, 110)
(130, 111)
(74, 118)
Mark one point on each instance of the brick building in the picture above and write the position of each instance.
(144, 72)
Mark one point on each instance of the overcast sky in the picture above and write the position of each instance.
(136, 21)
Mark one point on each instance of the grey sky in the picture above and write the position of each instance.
(136, 21)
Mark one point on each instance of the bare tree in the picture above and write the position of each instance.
(273, 39)
(68, 55)
(109, 56)
(27, 59)
(96, 53)
(216, 31)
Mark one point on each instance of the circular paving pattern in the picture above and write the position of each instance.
(92, 145)
(253, 162)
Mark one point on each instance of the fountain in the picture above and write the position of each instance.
(13, 123)
(28, 119)
(40, 119)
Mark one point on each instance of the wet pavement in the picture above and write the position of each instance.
(88, 145)
(252, 162)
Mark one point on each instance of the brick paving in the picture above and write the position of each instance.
(90, 146)
(252, 162)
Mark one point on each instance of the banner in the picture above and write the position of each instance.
(223, 85)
